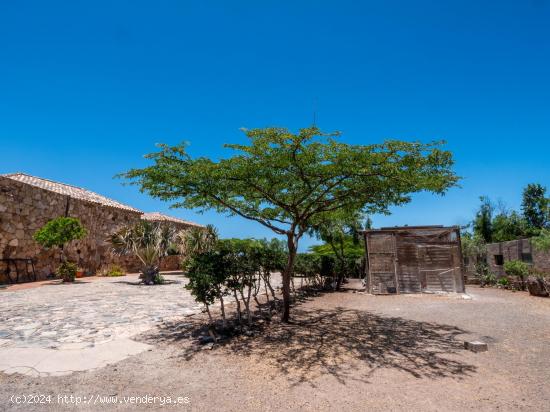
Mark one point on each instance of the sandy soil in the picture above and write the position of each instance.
(343, 351)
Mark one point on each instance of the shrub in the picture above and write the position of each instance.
(149, 242)
(112, 271)
(504, 282)
(207, 274)
(67, 271)
(58, 233)
(517, 268)
(488, 279)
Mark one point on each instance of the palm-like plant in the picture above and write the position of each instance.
(197, 240)
(149, 242)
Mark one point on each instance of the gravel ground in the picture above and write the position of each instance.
(344, 351)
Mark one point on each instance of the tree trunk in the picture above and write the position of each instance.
(209, 314)
(287, 274)
(239, 317)
(222, 306)
(148, 275)
(267, 282)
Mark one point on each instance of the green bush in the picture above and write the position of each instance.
(67, 271)
(517, 268)
(488, 279)
(504, 282)
(60, 231)
(57, 233)
(112, 271)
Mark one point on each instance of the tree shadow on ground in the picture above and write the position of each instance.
(350, 345)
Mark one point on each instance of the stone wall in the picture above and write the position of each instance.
(25, 208)
(171, 262)
(521, 249)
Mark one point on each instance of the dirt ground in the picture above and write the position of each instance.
(343, 351)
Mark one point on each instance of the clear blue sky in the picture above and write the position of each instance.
(87, 88)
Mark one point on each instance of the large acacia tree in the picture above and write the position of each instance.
(287, 182)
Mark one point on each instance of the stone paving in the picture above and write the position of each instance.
(85, 316)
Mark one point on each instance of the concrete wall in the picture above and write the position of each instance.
(516, 250)
(25, 208)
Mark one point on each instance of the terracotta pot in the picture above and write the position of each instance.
(80, 273)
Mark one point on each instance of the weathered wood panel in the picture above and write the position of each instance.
(411, 260)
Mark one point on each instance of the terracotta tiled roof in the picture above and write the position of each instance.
(68, 190)
(159, 217)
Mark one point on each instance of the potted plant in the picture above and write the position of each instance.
(58, 233)
(80, 272)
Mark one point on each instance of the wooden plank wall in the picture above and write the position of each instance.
(427, 260)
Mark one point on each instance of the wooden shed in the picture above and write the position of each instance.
(413, 259)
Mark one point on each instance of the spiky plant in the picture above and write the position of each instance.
(149, 242)
(197, 240)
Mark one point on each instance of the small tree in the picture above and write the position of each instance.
(483, 222)
(542, 241)
(58, 233)
(535, 206)
(287, 182)
(149, 242)
(207, 274)
(509, 226)
(517, 268)
(341, 235)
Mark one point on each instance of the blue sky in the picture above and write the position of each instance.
(87, 88)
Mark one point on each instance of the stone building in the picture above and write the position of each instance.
(28, 202)
(521, 249)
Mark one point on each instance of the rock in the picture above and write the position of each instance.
(476, 346)
(535, 285)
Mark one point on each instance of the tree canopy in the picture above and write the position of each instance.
(60, 231)
(535, 206)
(483, 221)
(289, 181)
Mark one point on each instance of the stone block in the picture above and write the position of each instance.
(476, 346)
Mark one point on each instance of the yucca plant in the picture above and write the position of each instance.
(197, 240)
(149, 242)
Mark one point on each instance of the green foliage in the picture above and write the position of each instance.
(542, 241)
(288, 182)
(509, 226)
(113, 270)
(473, 246)
(483, 221)
(235, 267)
(149, 242)
(197, 240)
(308, 264)
(158, 279)
(207, 273)
(535, 206)
(60, 231)
(343, 248)
(488, 279)
(67, 271)
(284, 178)
(516, 268)
(504, 282)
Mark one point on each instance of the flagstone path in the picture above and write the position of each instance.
(59, 328)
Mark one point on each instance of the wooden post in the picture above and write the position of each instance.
(395, 263)
(369, 276)
(459, 246)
